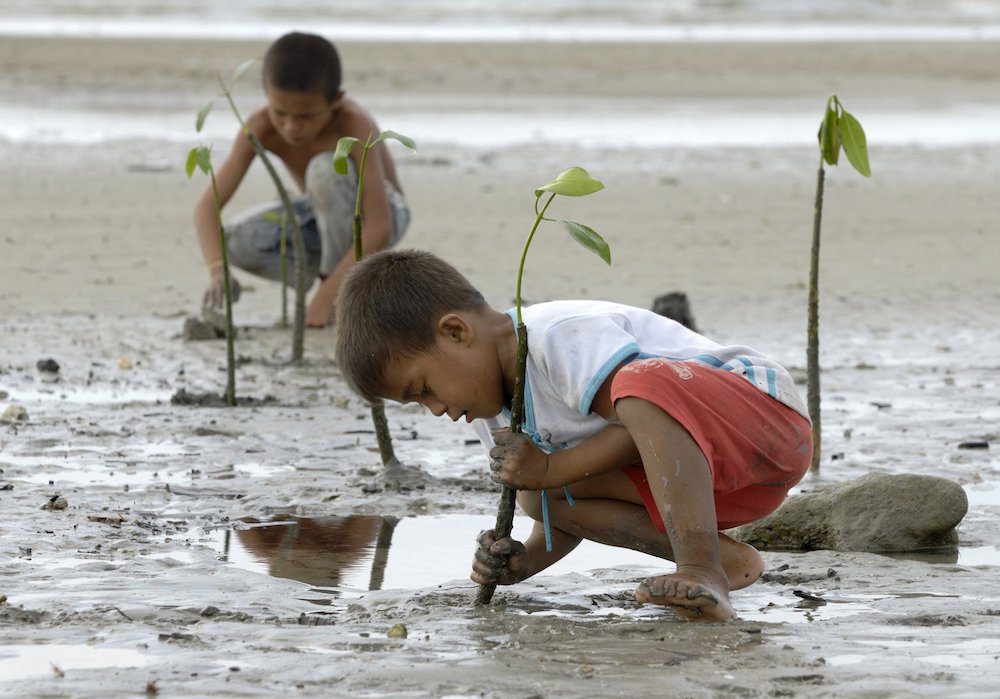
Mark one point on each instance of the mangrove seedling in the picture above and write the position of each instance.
(345, 145)
(574, 182)
(200, 157)
(298, 243)
(839, 129)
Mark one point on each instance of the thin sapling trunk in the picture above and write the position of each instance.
(200, 157)
(839, 129)
(575, 182)
(344, 147)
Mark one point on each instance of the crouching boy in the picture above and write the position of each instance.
(638, 432)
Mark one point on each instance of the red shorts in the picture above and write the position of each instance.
(756, 446)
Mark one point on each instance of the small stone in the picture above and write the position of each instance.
(196, 329)
(125, 362)
(14, 413)
(49, 365)
(676, 306)
(56, 502)
(974, 445)
(209, 611)
(397, 631)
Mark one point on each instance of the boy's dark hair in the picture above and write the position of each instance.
(387, 308)
(302, 63)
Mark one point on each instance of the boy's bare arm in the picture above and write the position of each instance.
(376, 224)
(516, 461)
(519, 463)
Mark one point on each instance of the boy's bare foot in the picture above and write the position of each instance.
(690, 595)
(742, 562)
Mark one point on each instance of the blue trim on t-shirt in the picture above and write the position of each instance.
(628, 352)
(748, 369)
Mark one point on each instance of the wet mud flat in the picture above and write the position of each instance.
(257, 551)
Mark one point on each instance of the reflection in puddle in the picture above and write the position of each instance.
(327, 552)
(349, 556)
(19, 661)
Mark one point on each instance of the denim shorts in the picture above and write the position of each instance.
(326, 217)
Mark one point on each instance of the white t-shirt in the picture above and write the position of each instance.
(574, 345)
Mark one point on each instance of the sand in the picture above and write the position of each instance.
(135, 583)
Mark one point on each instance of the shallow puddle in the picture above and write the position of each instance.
(20, 661)
(350, 556)
(88, 395)
(347, 557)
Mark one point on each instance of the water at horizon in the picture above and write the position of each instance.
(692, 124)
(513, 20)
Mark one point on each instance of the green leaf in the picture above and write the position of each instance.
(192, 162)
(240, 69)
(273, 217)
(852, 136)
(588, 238)
(203, 155)
(198, 157)
(575, 182)
(405, 140)
(829, 136)
(344, 147)
(202, 115)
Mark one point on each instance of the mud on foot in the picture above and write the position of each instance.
(688, 596)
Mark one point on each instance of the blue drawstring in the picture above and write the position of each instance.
(569, 496)
(545, 515)
(545, 522)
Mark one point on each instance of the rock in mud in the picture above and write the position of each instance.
(56, 502)
(14, 413)
(675, 305)
(877, 513)
(48, 366)
(196, 329)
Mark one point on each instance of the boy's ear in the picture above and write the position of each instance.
(338, 99)
(455, 328)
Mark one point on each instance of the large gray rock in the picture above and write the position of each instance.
(876, 513)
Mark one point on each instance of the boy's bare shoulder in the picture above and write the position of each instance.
(259, 123)
(353, 120)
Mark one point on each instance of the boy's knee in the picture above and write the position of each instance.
(530, 502)
(323, 182)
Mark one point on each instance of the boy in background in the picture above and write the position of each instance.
(638, 432)
(306, 113)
